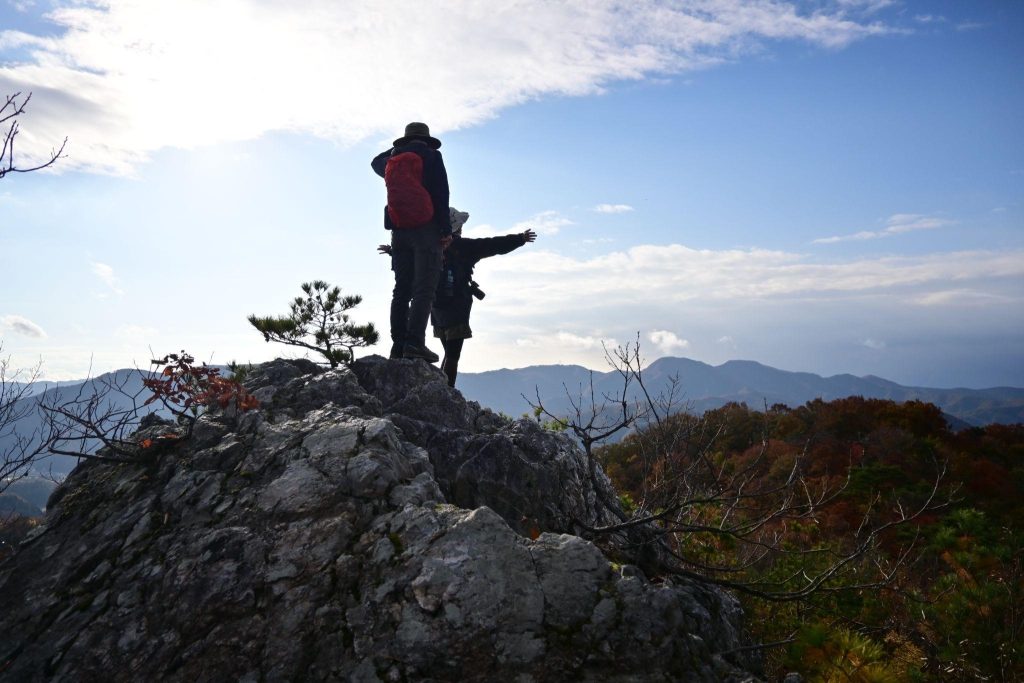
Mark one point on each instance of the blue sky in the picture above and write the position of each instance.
(821, 186)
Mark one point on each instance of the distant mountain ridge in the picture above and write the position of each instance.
(706, 387)
(114, 388)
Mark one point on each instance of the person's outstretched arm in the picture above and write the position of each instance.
(484, 247)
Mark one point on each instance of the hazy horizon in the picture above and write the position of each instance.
(598, 369)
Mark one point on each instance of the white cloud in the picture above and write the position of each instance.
(665, 276)
(544, 223)
(613, 208)
(21, 5)
(135, 334)
(930, 18)
(23, 326)
(667, 342)
(106, 275)
(123, 78)
(726, 340)
(584, 342)
(961, 298)
(875, 344)
(868, 6)
(908, 222)
(896, 224)
(482, 230)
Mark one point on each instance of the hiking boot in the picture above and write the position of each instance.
(420, 351)
(397, 351)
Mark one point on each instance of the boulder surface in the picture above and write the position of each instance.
(364, 524)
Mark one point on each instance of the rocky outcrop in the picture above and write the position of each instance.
(365, 524)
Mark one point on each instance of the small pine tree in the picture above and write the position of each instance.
(320, 316)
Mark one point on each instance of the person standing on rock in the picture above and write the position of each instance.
(456, 290)
(417, 216)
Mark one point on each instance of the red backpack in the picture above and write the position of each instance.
(409, 203)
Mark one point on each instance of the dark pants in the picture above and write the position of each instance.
(416, 260)
(452, 353)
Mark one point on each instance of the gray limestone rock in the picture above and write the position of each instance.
(365, 524)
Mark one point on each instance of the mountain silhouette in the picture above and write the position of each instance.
(702, 387)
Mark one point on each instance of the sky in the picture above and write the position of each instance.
(831, 187)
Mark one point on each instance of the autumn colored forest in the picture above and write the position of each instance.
(952, 606)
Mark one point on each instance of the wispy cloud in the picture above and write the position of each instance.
(665, 276)
(930, 19)
(895, 225)
(106, 275)
(136, 333)
(584, 342)
(667, 342)
(961, 298)
(868, 6)
(22, 326)
(21, 5)
(123, 78)
(613, 208)
(544, 223)
(481, 230)
(875, 344)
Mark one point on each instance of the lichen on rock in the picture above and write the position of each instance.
(365, 524)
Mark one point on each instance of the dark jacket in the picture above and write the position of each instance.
(454, 300)
(435, 181)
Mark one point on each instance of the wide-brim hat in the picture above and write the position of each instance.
(417, 131)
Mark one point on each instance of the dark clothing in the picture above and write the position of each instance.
(416, 260)
(454, 300)
(452, 353)
(435, 181)
(416, 252)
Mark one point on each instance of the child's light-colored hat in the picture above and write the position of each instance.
(457, 219)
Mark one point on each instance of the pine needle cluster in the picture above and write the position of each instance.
(319, 321)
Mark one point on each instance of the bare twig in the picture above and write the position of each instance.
(695, 503)
(11, 109)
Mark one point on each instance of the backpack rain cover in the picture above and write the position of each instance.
(409, 203)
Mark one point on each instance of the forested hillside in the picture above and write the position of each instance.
(952, 606)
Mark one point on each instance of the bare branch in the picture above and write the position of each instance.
(719, 518)
(8, 112)
(21, 450)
